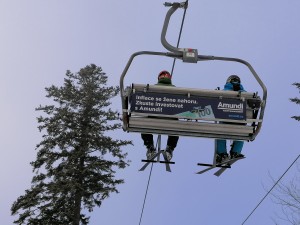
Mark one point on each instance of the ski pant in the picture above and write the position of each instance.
(148, 140)
(237, 146)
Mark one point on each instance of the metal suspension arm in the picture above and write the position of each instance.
(187, 54)
(174, 7)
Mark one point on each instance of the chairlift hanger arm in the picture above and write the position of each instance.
(174, 7)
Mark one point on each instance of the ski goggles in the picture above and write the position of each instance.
(235, 80)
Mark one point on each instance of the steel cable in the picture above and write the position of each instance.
(271, 189)
(148, 183)
(180, 32)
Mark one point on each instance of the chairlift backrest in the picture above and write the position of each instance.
(191, 112)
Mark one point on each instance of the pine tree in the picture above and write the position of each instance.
(296, 100)
(76, 159)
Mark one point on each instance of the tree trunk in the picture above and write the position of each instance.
(78, 194)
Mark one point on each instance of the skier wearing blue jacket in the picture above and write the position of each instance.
(233, 83)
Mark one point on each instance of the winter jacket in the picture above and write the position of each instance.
(165, 82)
(234, 87)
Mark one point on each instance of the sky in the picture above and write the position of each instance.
(40, 40)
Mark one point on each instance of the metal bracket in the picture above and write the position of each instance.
(190, 55)
(181, 4)
(146, 88)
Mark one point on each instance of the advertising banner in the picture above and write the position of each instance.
(193, 107)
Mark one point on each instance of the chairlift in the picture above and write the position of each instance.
(205, 113)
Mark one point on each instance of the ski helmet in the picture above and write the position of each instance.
(233, 78)
(164, 74)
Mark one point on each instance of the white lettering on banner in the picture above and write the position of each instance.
(168, 105)
(144, 103)
(161, 104)
(189, 101)
(150, 109)
(144, 98)
(226, 107)
(169, 99)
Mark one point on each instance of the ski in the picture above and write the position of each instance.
(223, 165)
(152, 160)
(222, 170)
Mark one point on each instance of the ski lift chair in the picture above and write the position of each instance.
(204, 113)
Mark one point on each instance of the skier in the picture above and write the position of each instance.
(233, 83)
(164, 78)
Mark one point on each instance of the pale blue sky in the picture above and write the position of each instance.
(40, 40)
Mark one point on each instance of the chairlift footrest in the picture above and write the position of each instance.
(149, 161)
(211, 165)
(155, 161)
(167, 162)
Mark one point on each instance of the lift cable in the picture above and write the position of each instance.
(146, 194)
(181, 27)
(158, 142)
(271, 189)
(180, 32)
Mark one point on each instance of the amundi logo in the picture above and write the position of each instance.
(231, 107)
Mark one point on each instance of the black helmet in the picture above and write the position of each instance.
(233, 78)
